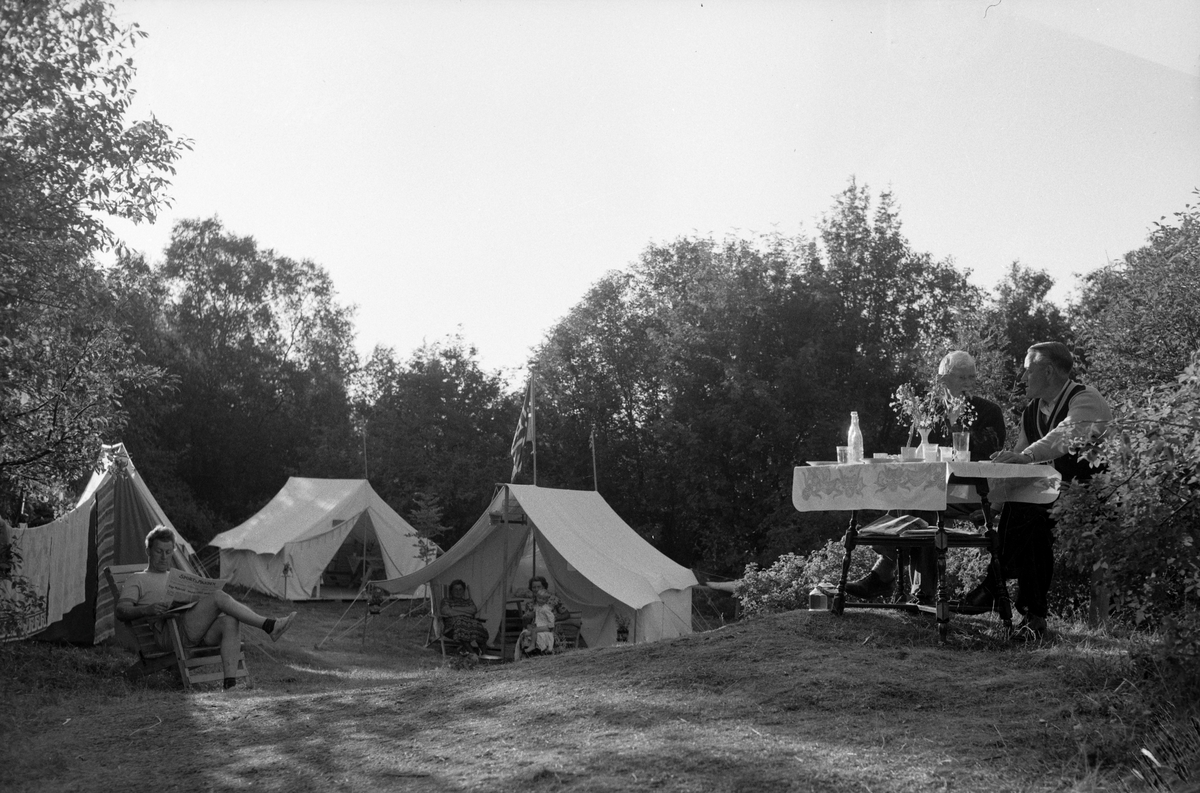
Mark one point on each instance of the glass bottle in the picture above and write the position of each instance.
(854, 439)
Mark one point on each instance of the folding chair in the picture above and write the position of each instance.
(437, 631)
(191, 665)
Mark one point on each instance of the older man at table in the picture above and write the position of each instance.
(1061, 415)
(958, 375)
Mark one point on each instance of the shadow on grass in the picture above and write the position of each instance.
(797, 701)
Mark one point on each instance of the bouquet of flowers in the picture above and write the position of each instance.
(921, 409)
(926, 409)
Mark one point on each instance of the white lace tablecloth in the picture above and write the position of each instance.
(920, 486)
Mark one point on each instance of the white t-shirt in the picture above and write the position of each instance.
(145, 588)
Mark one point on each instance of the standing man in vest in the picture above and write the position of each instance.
(1061, 414)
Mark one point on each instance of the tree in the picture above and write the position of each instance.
(693, 369)
(1021, 316)
(1137, 318)
(709, 369)
(259, 354)
(69, 158)
(436, 425)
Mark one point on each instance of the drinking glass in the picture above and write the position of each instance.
(962, 446)
(843, 454)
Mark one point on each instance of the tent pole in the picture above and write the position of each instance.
(504, 593)
(362, 585)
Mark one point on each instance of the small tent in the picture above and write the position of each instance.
(595, 563)
(316, 527)
(65, 560)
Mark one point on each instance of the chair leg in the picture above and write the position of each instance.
(180, 653)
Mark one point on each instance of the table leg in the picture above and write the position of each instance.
(940, 544)
(903, 585)
(1003, 604)
(839, 600)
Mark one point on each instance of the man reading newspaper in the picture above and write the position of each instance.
(212, 618)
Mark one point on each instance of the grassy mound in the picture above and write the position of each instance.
(794, 701)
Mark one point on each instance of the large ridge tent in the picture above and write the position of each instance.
(65, 560)
(595, 563)
(313, 527)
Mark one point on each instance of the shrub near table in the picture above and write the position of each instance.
(785, 585)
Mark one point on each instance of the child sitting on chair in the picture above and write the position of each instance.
(538, 638)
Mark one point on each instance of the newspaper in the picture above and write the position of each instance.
(187, 587)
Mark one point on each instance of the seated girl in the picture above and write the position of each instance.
(538, 637)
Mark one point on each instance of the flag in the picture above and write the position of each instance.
(526, 434)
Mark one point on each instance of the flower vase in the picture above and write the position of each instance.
(924, 443)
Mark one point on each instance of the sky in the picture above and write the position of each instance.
(474, 167)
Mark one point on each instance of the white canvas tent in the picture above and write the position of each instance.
(310, 525)
(65, 560)
(594, 561)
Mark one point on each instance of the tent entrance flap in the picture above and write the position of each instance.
(358, 559)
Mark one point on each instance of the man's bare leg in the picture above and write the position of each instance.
(200, 618)
(226, 632)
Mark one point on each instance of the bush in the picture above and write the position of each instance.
(785, 585)
(21, 607)
(1136, 525)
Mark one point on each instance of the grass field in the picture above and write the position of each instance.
(802, 701)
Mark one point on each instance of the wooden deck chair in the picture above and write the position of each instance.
(566, 632)
(449, 646)
(191, 664)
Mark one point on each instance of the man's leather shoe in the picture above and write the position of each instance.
(980, 597)
(869, 586)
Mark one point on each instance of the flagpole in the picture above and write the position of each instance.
(592, 443)
(533, 421)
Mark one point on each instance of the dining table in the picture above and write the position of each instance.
(892, 485)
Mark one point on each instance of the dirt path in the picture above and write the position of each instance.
(799, 701)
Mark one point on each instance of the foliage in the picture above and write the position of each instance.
(69, 155)
(1021, 315)
(259, 354)
(1137, 318)
(20, 604)
(1170, 756)
(69, 158)
(1136, 525)
(426, 518)
(66, 381)
(785, 584)
(710, 368)
(436, 425)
